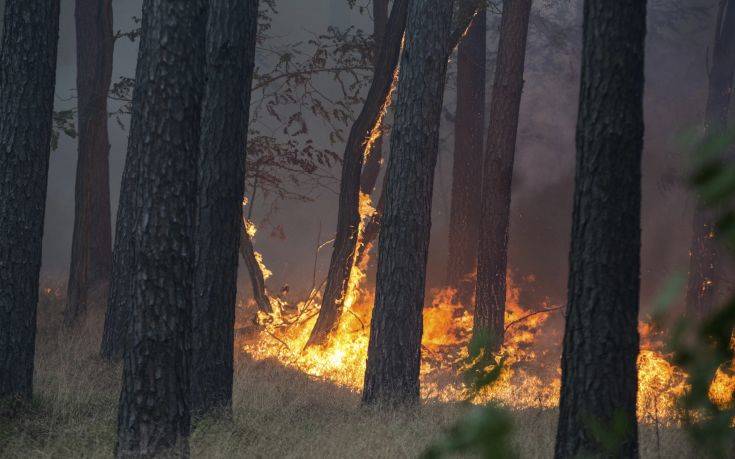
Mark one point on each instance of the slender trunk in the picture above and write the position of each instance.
(257, 280)
(230, 48)
(371, 169)
(704, 267)
(464, 217)
(358, 144)
(27, 79)
(599, 378)
(492, 258)
(394, 352)
(91, 254)
(153, 413)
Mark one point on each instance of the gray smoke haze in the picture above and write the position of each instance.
(541, 210)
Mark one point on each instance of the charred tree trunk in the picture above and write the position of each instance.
(230, 48)
(394, 352)
(153, 414)
(704, 262)
(371, 169)
(91, 253)
(348, 217)
(257, 280)
(599, 374)
(492, 258)
(27, 79)
(464, 217)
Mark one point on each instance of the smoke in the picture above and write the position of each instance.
(543, 183)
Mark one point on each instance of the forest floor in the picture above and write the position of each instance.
(277, 412)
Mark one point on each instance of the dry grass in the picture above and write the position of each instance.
(277, 412)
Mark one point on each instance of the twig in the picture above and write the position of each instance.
(543, 311)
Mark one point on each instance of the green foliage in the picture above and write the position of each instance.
(486, 429)
(702, 349)
(63, 123)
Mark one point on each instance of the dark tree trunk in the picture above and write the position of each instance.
(464, 217)
(704, 262)
(230, 48)
(27, 80)
(91, 253)
(371, 169)
(599, 377)
(394, 352)
(153, 414)
(348, 217)
(257, 280)
(117, 317)
(492, 258)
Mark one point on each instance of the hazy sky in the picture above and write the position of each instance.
(676, 83)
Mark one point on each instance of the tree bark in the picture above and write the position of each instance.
(394, 352)
(599, 374)
(91, 255)
(27, 80)
(371, 169)
(230, 54)
(464, 217)
(153, 413)
(492, 258)
(348, 217)
(704, 260)
(257, 280)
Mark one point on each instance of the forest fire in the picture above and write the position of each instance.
(531, 374)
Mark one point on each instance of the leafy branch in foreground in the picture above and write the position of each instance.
(485, 429)
(704, 349)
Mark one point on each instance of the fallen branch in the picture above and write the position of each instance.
(542, 311)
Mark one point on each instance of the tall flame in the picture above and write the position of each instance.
(530, 377)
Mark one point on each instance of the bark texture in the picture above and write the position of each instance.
(348, 216)
(257, 280)
(704, 262)
(394, 352)
(230, 53)
(371, 169)
(599, 374)
(469, 127)
(153, 413)
(91, 253)
(27, 78)
(492, 258)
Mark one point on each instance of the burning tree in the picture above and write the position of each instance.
(364, 133)
(394, 351)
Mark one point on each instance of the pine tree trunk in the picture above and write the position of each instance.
(91, 255)
(117, 317)
(230, 48)
(599, 374)
(492, 258)
(464, 217)
(704, 262)
(371, 169)
(348, 217)
(394, 352)
(153, 414)
(255, 273)
(27, 79)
